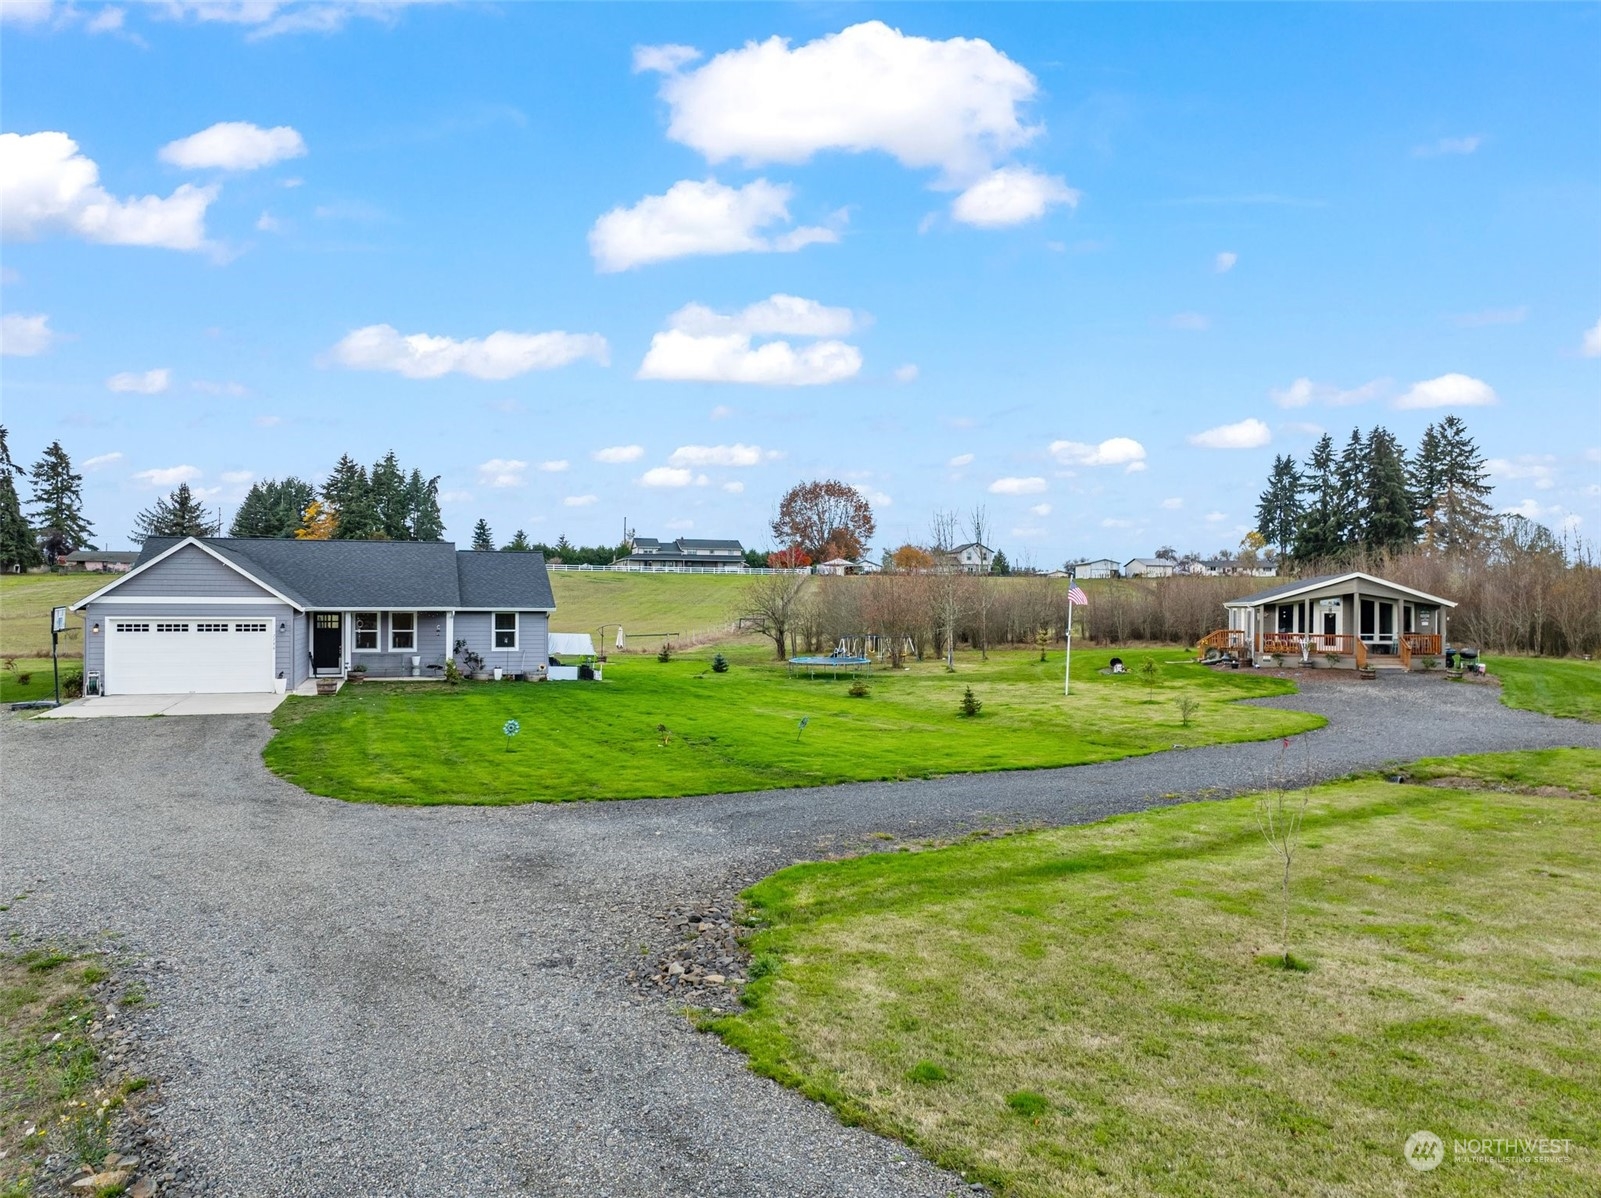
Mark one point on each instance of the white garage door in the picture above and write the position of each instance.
(183, 656)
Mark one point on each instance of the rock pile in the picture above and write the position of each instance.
(705, 964)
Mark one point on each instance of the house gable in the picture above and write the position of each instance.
(184, 571)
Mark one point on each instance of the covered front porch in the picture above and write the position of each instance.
(1344, 621)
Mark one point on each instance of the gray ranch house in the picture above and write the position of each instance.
(238, 615)
(1353, 620)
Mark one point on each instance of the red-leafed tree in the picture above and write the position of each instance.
(793, 558)
(811, 515)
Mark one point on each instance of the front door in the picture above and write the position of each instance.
(327, 642)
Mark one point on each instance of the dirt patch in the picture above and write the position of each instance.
(1481, 784)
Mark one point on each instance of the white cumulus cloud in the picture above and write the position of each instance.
(960, 460)
(168, 476)
(580, 500)
(784, 315)
(1225, 261)
(1303, 392)
(1114, 451)
(1041, 509)
(619, 453)
(234, 146)
(1010, 196)
(1591, 348)
(1539, 469)
(500, 355)
(148, 382)
(663, 59)
(25, 336)
(718, 455)
(734, 488)
(102, 460)
(950, 104)
(668, 476)
(907, 373)
(1449, 391)
(701, 217)
(1017, 486)
(1249, 433)
(1173, 504)
(501, 472)
(48, 186)
(554, 465)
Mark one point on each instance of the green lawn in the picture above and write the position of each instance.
(1092, 1011)
(429, 743)
(25, 603)
(1561, 686)
(40, 682)
(682, 604)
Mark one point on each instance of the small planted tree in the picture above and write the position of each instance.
(970, 705)
(665, 653)
(719, 664)
(1279, 813)
(1188, 706)
(1150, 675)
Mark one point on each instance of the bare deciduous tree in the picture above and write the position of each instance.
(978, 530)
(1279, 813)
(770, 603)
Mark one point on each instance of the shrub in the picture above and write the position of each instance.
(859, 690)
(72, 684)
(970, 704)
(452, 672)
(719, 664)
(1188, 706)
(1430, 663)
(665, 653)
(24, 679)
(1333, 658)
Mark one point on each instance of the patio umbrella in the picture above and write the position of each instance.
(622, 642)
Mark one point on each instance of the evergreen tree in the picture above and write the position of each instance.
(518, 544)
(422, 501)
(347, 494)
(273, 508)
(564, 549)
(999, 565)
(18, 550)
(58, 505)
(1279, 508)
(179, 515)
(1318, 535)
(1424, 474)
(483, 539)
(391, 498)
(1457, 515)
(1350, 491)
(1387, 520)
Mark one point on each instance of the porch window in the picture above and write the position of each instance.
(402, 631)
(366, 631)
(506, 630)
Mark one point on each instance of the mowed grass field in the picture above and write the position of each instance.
(1559, 686)
(25, 603)
(1097, 1011)
(681, 604)
(653, 729)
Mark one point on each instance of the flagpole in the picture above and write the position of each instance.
(1067, 670)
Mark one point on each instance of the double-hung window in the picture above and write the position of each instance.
(402, 631)
(366, 631)
(506, 630)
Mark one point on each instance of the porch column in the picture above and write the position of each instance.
(450, 635)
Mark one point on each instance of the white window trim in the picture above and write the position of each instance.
(379, 631)
(516, 632)
(416, 632)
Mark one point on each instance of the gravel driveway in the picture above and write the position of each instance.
(367, 1000)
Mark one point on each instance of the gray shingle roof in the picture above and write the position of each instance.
(423, 575)
(1307, 584)
(504, 581)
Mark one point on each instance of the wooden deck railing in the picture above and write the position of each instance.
(1424, 644)
(1404, 650)
(1222, 639)
(1319, 644)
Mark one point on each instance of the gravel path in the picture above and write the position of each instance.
(357, 999)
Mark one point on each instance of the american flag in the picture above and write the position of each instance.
(1076, 597)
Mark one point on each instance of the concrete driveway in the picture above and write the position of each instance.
(102, 706)
(355, 999)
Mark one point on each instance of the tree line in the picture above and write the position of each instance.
(55, 524)
(1372, 497)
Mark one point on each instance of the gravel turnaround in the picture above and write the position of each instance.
(353, 999)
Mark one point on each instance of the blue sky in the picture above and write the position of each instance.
(1090, 267)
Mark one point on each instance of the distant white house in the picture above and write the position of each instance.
(836, 566)
(1100, 567)
(1149, 567)
(973, 557)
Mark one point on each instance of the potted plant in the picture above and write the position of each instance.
(358, 673)
(472, 663)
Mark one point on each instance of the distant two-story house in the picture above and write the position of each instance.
(647, 553)
(972, 557)
(1149, 567)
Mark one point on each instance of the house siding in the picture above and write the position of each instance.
(94, 646)
(533, 640)
(191, 572)
(386, 663)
